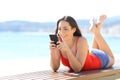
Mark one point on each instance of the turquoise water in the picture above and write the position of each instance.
(33, 45)
(23, 45)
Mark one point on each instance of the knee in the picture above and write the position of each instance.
(112, 61)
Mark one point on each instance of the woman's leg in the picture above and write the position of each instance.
(100, 42)
(100, 21)
(94, 43)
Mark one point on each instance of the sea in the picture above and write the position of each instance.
(24, 52)
(20, 45)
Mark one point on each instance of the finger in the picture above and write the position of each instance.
(60, 37)
(59, 46)
(51, 41)
(52, 45)
(58, 42)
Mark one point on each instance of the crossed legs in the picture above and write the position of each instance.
(98, 40)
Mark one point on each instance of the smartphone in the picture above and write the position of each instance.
(54, 38)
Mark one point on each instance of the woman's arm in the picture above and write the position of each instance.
(55, 60)
(54, 57)
(77, 62)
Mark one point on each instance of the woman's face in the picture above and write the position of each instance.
(65, 30)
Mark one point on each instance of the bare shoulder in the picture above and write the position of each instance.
(82, 44)
(82, 40)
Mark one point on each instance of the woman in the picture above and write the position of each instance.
(72, 49)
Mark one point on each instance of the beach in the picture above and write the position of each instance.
(25, 52)
(14, 67)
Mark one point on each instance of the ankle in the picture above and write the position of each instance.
(99, 26)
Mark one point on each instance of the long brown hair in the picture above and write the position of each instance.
(72, 23)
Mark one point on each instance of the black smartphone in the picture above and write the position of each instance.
(54, 38)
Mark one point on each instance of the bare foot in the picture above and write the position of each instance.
(100, 21)
(93, 26)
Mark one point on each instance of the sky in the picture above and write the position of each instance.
(52, 10)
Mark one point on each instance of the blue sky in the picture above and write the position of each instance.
(51, 10)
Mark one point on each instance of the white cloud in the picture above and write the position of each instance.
(51, 10)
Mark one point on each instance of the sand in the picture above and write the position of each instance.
(21, 66)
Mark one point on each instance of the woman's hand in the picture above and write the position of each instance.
(55, 56)
(52, 45)
(53, 48)
(62, 46)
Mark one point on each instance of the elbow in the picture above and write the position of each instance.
(77, 70)
(54, 68)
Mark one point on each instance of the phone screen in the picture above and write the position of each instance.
(54, 38)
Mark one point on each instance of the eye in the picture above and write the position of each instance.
(65, 29)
